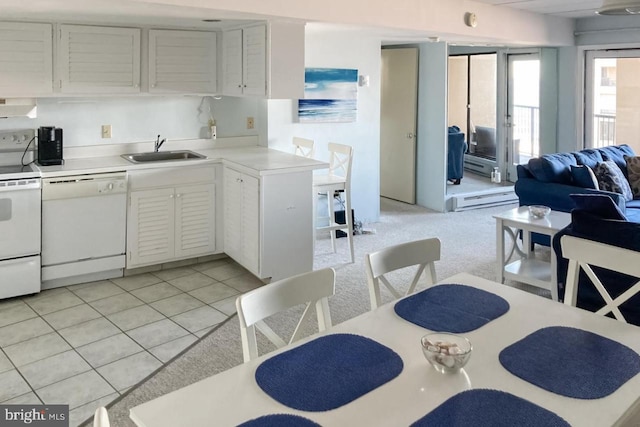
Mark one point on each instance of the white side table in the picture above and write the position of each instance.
(520, 264)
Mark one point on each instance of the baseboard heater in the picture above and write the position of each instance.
(478, 165)
(474, 201)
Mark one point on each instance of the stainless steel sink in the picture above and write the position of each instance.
(162, 156)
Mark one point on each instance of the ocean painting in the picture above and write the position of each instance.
(330, 96)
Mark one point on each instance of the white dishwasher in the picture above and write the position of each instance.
(83, 228)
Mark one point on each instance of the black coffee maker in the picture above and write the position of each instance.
(49, 146)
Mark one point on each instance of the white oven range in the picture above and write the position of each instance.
(20, 216)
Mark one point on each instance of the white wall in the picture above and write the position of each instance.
(569, 102)
(136, 119)
(340, 49)
(431, 157)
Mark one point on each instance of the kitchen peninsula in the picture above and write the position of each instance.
(249, 202)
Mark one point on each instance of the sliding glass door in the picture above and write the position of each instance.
(612, 98)
(473, 99)
(523, 110)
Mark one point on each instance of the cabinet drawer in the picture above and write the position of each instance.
(171, 177)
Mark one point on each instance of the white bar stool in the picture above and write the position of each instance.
(338, 179)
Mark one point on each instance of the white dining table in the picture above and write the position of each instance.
(233, 396)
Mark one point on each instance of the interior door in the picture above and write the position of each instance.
(523, 110)
(398, 124)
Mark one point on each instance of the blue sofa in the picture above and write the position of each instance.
(456, 147)
(599, 219)
(548, 180)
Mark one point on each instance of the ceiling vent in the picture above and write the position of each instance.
(619, 7)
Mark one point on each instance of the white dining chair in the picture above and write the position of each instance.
(337, 181)
(312, 289)
(583, 254)
(422, 253)
(101, 417)
(304, 147)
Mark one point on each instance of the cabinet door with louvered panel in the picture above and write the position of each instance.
(254, 54)
(233, 214)
(251, 223)
(151, 234)
(98, 59)
(195, 220)
(26, 59)
(232, 62)
(182, 61)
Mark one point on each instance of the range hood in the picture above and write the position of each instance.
(18, 107)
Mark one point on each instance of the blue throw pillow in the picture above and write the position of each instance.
(584, 177)
(611, 178)
(599, 205)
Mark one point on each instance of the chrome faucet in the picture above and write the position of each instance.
(158, 144)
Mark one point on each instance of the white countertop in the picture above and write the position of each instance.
(252, 159)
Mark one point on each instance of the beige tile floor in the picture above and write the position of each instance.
(85, 345)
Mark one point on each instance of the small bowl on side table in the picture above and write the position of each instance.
(447, 353)
(539, 211)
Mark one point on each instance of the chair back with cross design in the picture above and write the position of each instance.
(311, 289)
(584, 254)
(422, 253)
(304, 147)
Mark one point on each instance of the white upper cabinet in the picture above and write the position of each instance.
(182, 61)
(264, 60)
(254, 60)
(244, 59)
(25, 59)
(99, 59)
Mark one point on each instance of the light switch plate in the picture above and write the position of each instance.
(106, 131)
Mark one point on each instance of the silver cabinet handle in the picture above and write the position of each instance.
(410, 135)
(178, 195)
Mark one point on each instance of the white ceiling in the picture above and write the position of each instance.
(566, 8)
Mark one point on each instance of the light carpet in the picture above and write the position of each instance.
(468, 245)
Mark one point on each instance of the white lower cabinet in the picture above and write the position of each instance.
(242, 219)
(268, 222)
(172, 222)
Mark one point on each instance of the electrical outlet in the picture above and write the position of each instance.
(106, 131)
(250, 123)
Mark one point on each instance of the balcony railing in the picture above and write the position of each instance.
(526, 121)
(604, 130)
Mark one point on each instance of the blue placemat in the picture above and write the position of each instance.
(489, 408)
(280, 420)
(571, 362)
(328, 372)
(452, 308)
